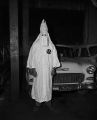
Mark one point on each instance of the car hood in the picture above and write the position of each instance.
(80, 61)
(74, 65)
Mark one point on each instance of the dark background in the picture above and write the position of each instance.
(65, 26)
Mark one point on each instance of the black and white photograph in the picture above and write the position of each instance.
(48, 59)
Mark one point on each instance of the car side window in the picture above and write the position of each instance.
(68, 52)
(93, 50)
(75, 52)
(60, 51)
(1, 55)
(84, 52)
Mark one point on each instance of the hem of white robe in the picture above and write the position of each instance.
(40, 101)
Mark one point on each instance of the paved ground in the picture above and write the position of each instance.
(72, 106)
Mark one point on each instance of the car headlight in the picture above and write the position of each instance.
(91, 69)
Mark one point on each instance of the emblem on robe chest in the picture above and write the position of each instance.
(48, 51)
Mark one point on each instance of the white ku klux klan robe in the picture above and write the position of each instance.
(43, 63)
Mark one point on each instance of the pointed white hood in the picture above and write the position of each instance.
(43, 37)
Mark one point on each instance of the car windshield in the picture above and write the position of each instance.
(74, 52)
(67, 52)
(84, 52)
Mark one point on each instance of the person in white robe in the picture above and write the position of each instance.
(42, 60)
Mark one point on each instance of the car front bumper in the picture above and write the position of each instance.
(72, 87)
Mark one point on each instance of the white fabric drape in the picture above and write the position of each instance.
(43, 62)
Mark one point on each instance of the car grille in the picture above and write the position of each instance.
(68, 78)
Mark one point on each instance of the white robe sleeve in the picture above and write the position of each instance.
(56, 62)
(31, 58)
